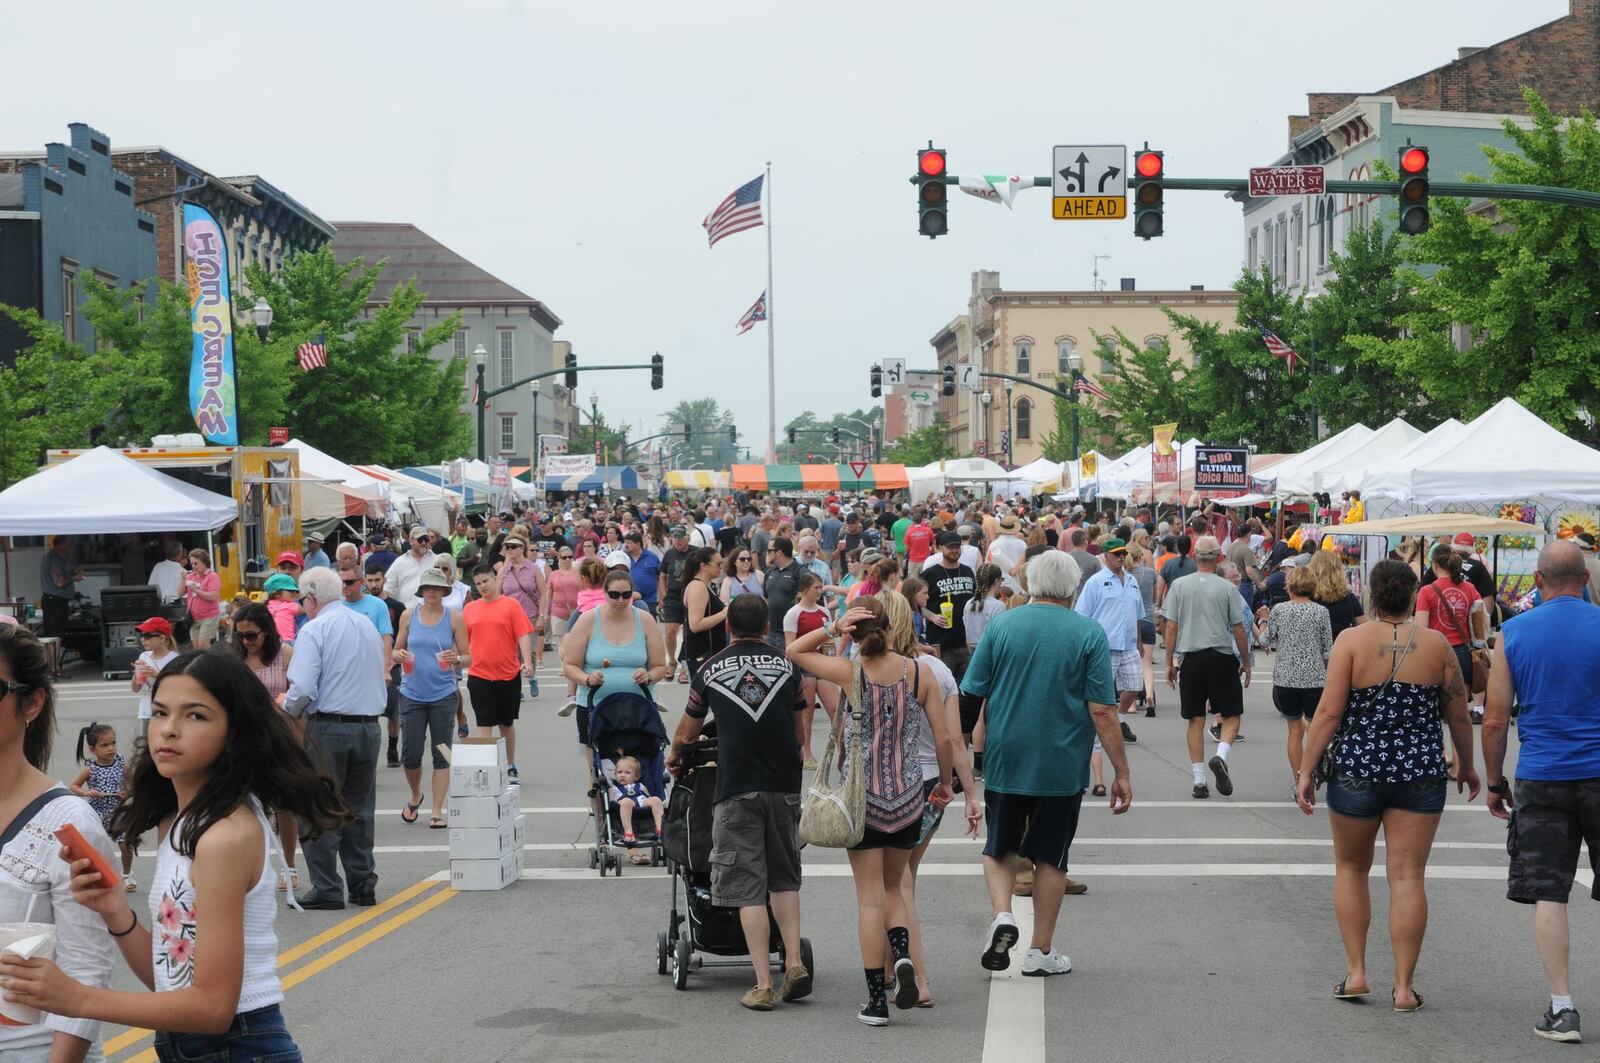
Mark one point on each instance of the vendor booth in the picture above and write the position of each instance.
(412, 500)
(333, 491)
(807, 479)
(696, 480)
(606, 479)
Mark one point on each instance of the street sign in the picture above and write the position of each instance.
(1089, 181)
(1287, 180)
(968, 378)
(560, 466)
(858, 467)
(1222, 469)
(920, 395)
(921, 380)
(277, 436)
(894, 372)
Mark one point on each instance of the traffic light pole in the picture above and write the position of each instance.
(484, 394)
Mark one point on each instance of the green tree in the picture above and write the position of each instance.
(56, 396)
(1519, 280)
(922, 446)
(613, 441)
(708, 423)
(1149, 386)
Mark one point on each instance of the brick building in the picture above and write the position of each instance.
(1454, 110)
(67, 213)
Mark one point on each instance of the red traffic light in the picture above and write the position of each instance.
(1414, 160)
(931, 163)
(1148, 164)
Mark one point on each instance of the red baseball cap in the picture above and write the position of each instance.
(156, 625)
(1465, 539)
(293, 557)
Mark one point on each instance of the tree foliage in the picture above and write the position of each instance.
(923, 446)
(708, 424)
(613, 441)
(814, 436)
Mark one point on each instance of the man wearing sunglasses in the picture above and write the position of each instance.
(400, 583)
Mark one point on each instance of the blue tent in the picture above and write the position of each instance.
(604, 478)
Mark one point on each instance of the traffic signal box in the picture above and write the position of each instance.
(949, 385)
(657, 363)
(572, 372)
(931, 218)
(877, 382)
(1149, 194)
(1414, 215)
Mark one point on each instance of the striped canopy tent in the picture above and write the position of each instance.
(793, 478)
(696, 480)
(474, 491)
(604, 478)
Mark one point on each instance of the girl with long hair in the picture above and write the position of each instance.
(256, 640)
(221, 755)
(1333, 592)
(705, 614)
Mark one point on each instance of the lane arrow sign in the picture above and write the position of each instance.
(1108, 175)
(920, 396)
(1075, 178)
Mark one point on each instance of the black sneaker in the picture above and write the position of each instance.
(1201, 791)
(1216, 731)
(1219, 768)
(1150, 711)
(905, 984)
(1562, 1027)
(1127, 733)
(874, 1014)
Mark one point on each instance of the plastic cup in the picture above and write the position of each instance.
(443, 657)
(33, 941)
(947, 609)
(407, 664)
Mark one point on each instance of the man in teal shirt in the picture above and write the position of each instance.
(1046, 674)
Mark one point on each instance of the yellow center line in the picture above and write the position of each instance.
(132, 1036)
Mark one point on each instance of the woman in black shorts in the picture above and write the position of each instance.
(894, 702)
(1387, 682)
(1299, 629)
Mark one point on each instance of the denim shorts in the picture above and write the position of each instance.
(255, 1037)
(1366, 798)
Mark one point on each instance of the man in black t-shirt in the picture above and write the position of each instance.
(670, 593)
(949, 581)
(755, 694)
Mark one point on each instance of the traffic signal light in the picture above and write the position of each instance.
(655, 372)
(836, 435)
(791, 437)
(1413, 189)
(931, 219)
(949, 387)
(1149, 168)
(572, 372)
(688, 433)
(877, 381)
(733, 433)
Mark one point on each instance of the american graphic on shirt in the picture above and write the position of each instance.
(753, 681)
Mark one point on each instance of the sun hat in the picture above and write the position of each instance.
(432, 577)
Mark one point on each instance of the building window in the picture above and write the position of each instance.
(1281, 269)
(508, 433)
(1266, 247)
(1154, 343)
(138, 307)
(1065, 347)
(1297, 240)
(1024, 357)
(461, 343)
(413, 340)
(69, 301)
(1108, 355)
(1024, 419)
(1252, 254)
(508, 355)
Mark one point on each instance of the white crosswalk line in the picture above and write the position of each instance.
(1014, 1031)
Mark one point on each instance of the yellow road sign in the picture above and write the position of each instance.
(1082, 208)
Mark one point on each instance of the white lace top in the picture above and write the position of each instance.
(172, 923)
(31, 864)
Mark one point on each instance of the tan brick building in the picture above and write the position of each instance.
(1032, 334)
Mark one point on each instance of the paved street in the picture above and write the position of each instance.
(1207, 929)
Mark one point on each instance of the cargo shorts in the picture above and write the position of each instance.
(1548, 822)
(755, 848)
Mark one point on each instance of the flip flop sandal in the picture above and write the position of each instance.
(409, 813)
(435, 823)
(1340, 993)
(1415, 1007)
(1099, 790)
(129, 885)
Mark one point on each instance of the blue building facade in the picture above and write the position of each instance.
(67, 214)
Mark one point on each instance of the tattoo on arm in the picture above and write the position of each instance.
(1453, 687)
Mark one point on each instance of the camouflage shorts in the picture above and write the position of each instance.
(1549, 822)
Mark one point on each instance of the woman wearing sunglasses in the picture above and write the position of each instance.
(256, 639)
(522, 579)
(741, 576)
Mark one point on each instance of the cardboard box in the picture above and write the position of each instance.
(478, 768)
(484, 874)
(482, 812)
(519, 831)
(482, 843)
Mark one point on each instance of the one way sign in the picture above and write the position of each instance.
(1089, 181)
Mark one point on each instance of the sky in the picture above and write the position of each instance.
(572, 149)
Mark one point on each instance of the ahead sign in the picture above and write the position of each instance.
(1089, 181)
(1287, 181)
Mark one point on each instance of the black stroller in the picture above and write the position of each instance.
(704, 928)
(623, 725)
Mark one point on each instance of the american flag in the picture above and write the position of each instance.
(1085, 386)
(757, 312)
(313, 354)
(740, 211)
(1278, 348)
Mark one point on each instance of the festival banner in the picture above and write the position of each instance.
(1218, 469)
(1164, 458)
(213, 388)
(1088, 465)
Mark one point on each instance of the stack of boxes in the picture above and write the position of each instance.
(486, 825)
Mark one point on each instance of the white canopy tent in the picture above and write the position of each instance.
(411, 499)
(1294, 475)
(1128, 478)
(1379, 478)
(103, 492)
(1341, 464)
(347, 492)
(1042, 476)
(934, 477)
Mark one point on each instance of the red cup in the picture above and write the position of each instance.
(406, 664)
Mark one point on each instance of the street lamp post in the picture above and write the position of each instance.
(480, 358)
(986, 397)
(1010, 387)
(538, 450)
(594, 419)
(1075, 363)
(261, 314)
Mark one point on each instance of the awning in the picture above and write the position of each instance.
(1436, 524)
(604, 478)
(858, 477)
(696, 480)
(104, 492)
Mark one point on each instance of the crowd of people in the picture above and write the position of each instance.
(985, 647)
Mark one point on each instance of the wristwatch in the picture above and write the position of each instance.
(1502, 788)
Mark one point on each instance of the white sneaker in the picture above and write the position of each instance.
(998, 943)
(1038, 963)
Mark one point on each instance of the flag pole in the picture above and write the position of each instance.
(772, 359)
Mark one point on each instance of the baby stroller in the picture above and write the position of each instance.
(624, 725)
(704, 927)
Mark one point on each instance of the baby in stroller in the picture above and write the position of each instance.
(631, 795)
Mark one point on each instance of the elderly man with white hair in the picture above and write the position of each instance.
(1046, 674)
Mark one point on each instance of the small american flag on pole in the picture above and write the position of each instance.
(740, 211)
(757, 312)
(313, 354)
(1278, 348)
(1085, 386)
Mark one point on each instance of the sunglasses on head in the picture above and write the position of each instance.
(619, 595)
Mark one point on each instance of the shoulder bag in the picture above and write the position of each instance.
(1478, 680)
(1324, 769)
(834, 816)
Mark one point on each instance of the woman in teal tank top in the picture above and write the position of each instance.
(613, 649)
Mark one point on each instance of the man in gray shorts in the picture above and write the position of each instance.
(754, 692)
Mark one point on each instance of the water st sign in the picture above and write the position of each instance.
(1287, 181)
